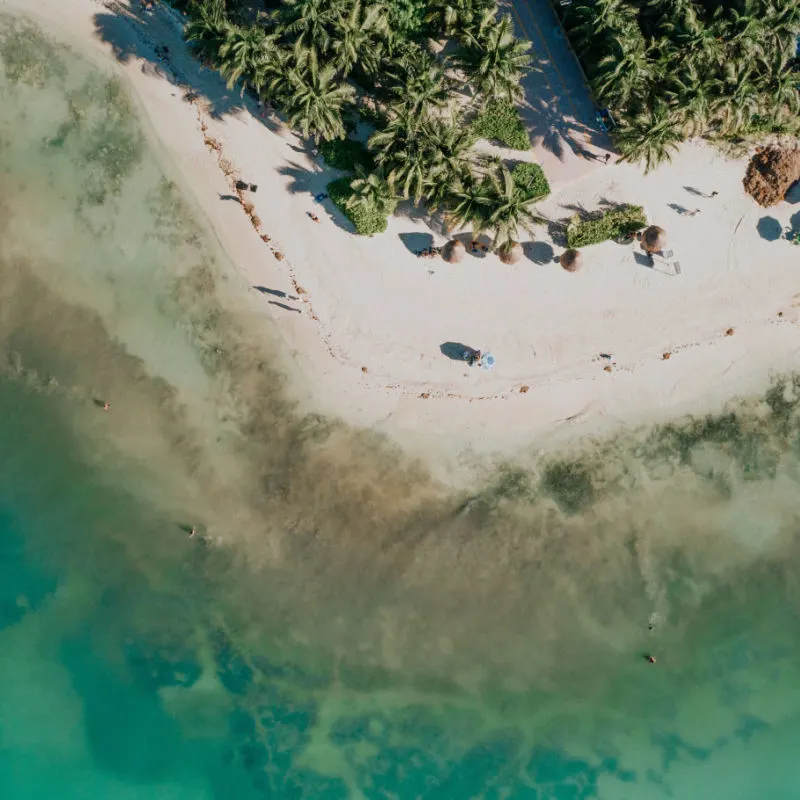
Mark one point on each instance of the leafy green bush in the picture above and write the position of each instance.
(609, 225)
(367, 221)
(500, 120)
(407, 18)
(345, 154)
(531, 181)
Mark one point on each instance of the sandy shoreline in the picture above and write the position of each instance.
(363, 319)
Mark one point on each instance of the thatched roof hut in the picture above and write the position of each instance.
(770, 174)
(571, 260)
(654, 239)
(510, 254)
(453, 251)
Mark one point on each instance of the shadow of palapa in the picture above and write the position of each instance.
(456, 351)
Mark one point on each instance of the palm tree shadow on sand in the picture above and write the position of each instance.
(314, 181)
(135, 34)
(549, 130)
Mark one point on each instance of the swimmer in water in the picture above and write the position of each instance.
(106, 406)
(650, 659)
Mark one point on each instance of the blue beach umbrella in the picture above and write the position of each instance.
(487, 362)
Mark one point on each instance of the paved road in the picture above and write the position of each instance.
(558, 109)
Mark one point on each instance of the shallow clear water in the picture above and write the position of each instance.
(341, 626)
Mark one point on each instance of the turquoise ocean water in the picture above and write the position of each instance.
(341, 626)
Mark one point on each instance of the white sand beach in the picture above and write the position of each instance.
(363, 319)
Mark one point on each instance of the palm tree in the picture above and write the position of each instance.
(372, 190)
(398, 149)
(746, 31)
(400, 152)
(782, 85)
(448, 142)
(741, 100)
(401, 129)
(314, 104)
(401, 126)
(207, 28)
(672, 13)
(355, 36)
(422, 87)
(495, 60)
(590, 22)
(493, 203)
(470, 203)
(692, 98)
(781, 24)
(509, 209)
(455, 18)
(278, 80)
(408, 171)
(247, 54)
(423, 157)
(310, 21)
(694, 42)
(651, 137)
(625, 74)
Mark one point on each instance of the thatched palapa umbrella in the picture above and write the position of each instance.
(571, 260)
(654, 239)
(453, 251)
(510, 253)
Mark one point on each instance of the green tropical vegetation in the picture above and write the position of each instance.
(420, 80)
(611, 224)
(499, 120)
(492, 203)
(366, 202)
(531, 181)
(668, 70)
(346, 154)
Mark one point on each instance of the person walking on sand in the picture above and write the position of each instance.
(714, 194)
(607, 158)
(314, 217)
